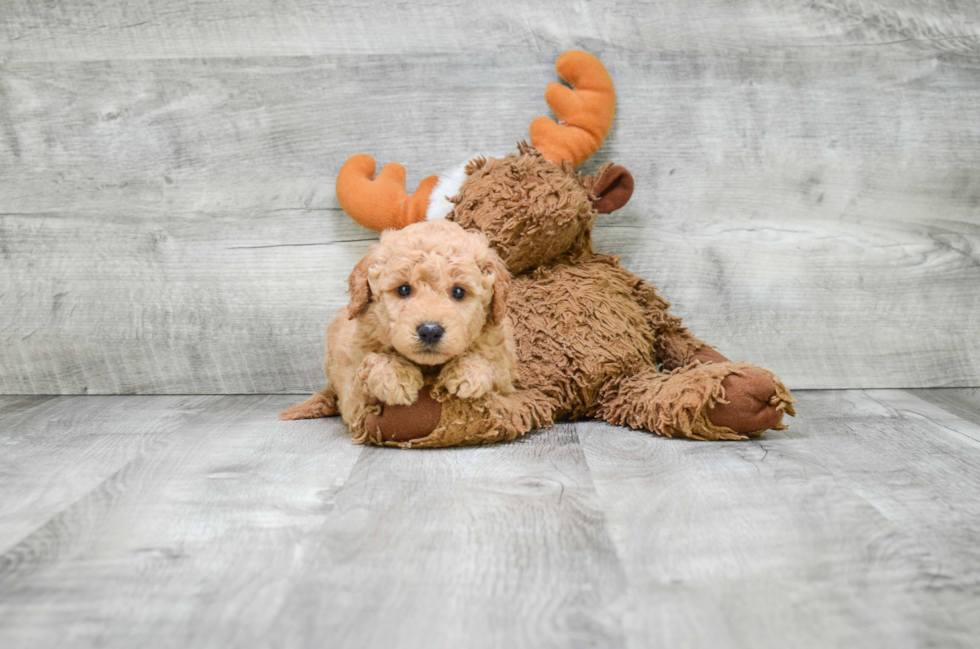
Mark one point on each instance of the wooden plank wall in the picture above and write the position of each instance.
(808, 175)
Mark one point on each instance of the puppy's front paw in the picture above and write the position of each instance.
(391, 380)
(467, 377)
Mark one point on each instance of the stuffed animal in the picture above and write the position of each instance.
(593, 339)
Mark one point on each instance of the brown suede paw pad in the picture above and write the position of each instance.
(405, 423)
(749, 405)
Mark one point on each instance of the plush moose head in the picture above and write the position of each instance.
(532, 205)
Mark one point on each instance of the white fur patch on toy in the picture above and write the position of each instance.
(448, 186)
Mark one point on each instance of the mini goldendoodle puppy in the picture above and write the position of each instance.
(428, 306)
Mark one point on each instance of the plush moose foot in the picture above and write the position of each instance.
(402, 424)
(680, 403)
(754, 400)
(450, 421)
(321, 404)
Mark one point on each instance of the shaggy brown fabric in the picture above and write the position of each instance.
(593, 339)
(677, 403)
(492, 418)
(527, 221)
(708, 355)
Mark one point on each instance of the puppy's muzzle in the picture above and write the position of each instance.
(430, 333)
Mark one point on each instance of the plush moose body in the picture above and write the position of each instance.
(593, 339)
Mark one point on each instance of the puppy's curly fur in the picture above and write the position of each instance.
(431, 273)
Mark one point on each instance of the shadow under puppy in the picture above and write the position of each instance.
(427, 311)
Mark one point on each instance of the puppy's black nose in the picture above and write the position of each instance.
(430, 332)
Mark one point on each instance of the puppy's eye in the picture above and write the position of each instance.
(459, 293)
(404, 290)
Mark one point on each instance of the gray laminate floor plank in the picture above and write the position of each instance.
(57, 449)
(189, 544)
(204, 521)
(961, 402)
(476, 547)
(857, 526)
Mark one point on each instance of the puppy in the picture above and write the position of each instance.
(428, 305)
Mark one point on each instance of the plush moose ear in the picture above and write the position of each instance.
(612, 188)
(358, 286)
(501, 288)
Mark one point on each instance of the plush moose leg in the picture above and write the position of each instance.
(432, 422)
(707, 401)
(443, 420)
(713, 403)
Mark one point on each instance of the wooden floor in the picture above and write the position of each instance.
(197, 521)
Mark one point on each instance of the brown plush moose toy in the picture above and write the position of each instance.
(593, 340)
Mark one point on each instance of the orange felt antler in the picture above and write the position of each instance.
(585, 111)
(381, 203)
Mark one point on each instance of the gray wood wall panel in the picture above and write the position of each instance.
(808, 193)
(142, 29)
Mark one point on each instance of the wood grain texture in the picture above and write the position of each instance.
(856, 527)
(57, 450)
(807, 193)
(489, 547)
(205, 522)
(961, 402)
(242, 530)
(142, 29)
(189, 544)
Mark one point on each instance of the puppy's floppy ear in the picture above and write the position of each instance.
(495, 267)
(358, 286)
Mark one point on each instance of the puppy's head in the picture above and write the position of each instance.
(429, 290)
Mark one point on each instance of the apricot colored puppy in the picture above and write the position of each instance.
(427, 308)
